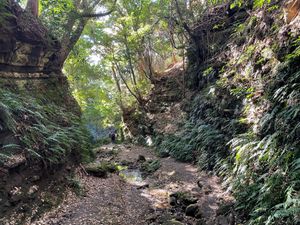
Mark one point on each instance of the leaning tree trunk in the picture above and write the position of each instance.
(70, 38)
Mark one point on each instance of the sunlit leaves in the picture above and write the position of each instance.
(55, 14)
(260, 3)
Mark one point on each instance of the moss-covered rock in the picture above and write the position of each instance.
(182, 198)
(101, 169)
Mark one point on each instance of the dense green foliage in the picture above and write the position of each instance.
(55, 14)
(92, 86)
(59, 15)
(45, 131)
(252, 142)
(256, 3)
(111, 66)
(259, 161)
(262, 169)
(208, 126)
(266, 166)
(243, 120)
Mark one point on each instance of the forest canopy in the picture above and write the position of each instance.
(112, 50)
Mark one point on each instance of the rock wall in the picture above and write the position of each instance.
(28, 57)
(29, 69)
(25, 45)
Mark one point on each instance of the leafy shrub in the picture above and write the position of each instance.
(256, 3)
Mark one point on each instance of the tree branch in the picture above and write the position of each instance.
(101, 14)
(92, 15)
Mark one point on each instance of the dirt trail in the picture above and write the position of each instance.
(118, 201)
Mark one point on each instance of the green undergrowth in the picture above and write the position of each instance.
(261, 168)
(194, 143)
(244, 123)
(209, 127)
(264, 168)
(3, 13)
(44, 131)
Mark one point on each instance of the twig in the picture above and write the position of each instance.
(83, 169)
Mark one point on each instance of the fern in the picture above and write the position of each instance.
(296, 53)
(289, 209)
(42, 132)
(4, 157)
(3, 13)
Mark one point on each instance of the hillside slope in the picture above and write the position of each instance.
(243, 117)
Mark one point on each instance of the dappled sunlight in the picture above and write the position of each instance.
(157, 197)
(171, 173)
(147, 112)
(173, 67)
(181, 186)
(191, 169)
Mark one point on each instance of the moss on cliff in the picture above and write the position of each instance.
(244, 119)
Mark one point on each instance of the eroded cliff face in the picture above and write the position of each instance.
(243, 118)
(28, 55)
(36, 111)
(25, 44)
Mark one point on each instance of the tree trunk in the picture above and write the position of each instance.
(75, 26)
(70, 39)
(118, 86)
(130, 61)
(136, 96)
(33, 7)
(188, 30)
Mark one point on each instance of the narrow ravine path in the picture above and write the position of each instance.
(116, 200)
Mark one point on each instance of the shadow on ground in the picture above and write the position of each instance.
(116, 200)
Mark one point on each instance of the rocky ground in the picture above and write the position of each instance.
(142, 189)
